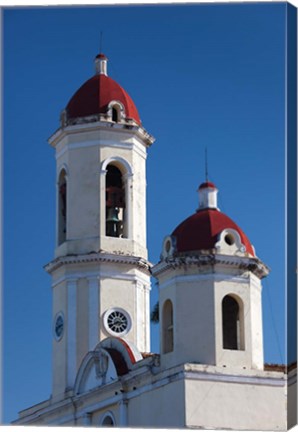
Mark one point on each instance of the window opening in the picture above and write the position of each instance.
(62, 207)
(115, 115)
(115, 202)
(168, 329)
(232, 324)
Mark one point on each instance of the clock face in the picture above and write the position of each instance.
(117, 322)
(59, 326)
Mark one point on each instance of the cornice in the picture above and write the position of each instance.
(210, 258)
(100, 257)
(95, 124)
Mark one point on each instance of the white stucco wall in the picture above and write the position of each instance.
(235, 405)
(161, 407)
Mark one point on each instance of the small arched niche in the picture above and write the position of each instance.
(115, 202)
(62, 207)
(167, 327)
(108, 420)
(232, 323)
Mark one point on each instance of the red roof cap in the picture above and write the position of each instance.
(200, 231)
(102, 56)
(94, 96)
(207, 184)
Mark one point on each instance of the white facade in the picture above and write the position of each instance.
(210, 371)
(148, 394)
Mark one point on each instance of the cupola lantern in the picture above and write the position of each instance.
(207, 195)
(101, 63)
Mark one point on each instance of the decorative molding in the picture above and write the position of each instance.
(99, 257)
(236, 246)
(239, 379)
(211, 258)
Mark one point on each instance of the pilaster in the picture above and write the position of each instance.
(71, 331)
(93, 298)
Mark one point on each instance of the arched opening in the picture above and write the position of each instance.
(232, 324)
(62, 207)
(108, 421)
(167, 327)
(116, 111)
(115, 115)
(115, 202)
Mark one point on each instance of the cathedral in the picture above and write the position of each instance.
(210, 371)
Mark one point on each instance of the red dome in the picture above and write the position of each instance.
(201, 230)
(94, 96)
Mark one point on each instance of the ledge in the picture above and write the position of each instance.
(141, 263)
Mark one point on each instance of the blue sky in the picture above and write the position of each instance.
(201, 76)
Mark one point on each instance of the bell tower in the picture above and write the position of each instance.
(210, 280)
(100, 273)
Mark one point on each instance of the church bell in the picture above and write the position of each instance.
(113, 222)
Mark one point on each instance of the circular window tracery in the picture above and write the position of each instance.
(117, 322)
